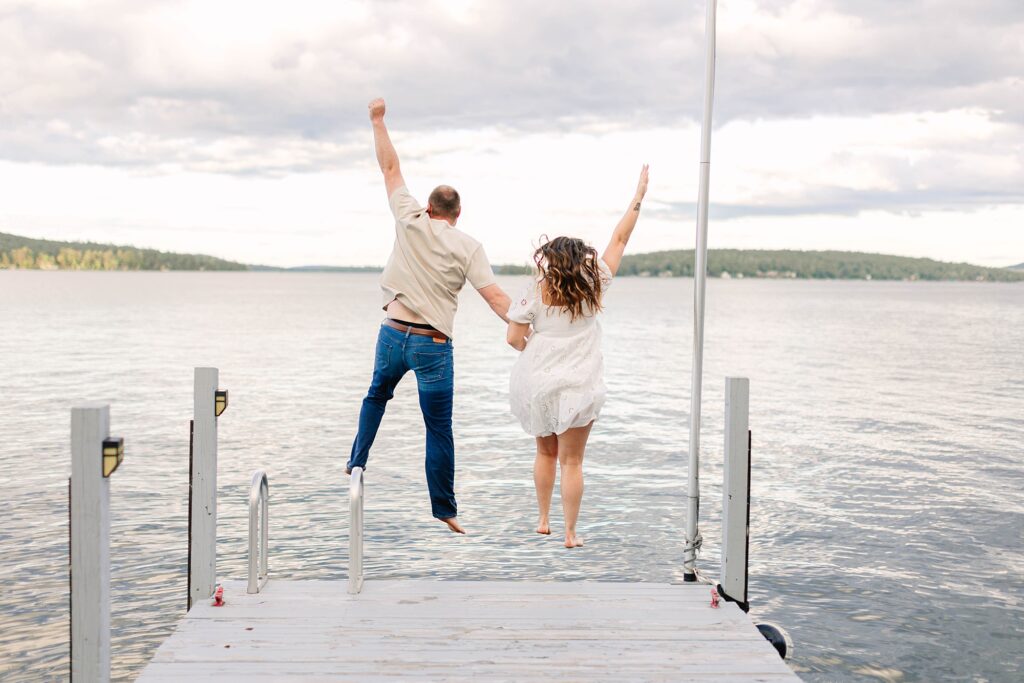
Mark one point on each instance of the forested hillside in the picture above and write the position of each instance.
(842, 265)
(24, 252)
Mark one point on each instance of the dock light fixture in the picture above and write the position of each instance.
(113, 454)
(220, 402)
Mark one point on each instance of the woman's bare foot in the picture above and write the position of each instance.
(544, 527)
(574, 541)
(453, 524)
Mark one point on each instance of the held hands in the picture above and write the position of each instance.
(376, 108)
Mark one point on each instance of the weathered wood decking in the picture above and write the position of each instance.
(467, 630)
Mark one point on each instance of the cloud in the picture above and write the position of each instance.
(194, 73)
(822, 108)
(770, 180)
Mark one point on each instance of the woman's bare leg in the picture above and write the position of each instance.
(571, 445)
(544, 479)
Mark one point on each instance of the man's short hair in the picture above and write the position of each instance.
(444, 202)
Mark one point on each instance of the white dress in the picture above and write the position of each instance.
(558, 381)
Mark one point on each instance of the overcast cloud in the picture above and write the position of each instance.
(827, 106)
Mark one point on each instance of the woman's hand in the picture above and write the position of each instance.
(641, 186)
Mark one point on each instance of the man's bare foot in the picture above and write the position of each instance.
(574, 541)
(453, 524)
(544, 527)
(348, 470)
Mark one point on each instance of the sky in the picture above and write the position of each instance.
(239, 129)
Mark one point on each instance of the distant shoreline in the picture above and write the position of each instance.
(22, 253)
(373, 271)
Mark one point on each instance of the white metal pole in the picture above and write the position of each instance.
(90, 545)
(355, 532)
(700, 269)
(203, 491)
(736, 491)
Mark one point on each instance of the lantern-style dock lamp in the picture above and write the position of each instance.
(113, 454)
(220, 402)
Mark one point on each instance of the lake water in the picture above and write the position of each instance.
(887, 528)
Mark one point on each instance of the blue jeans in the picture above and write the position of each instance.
(397, 353)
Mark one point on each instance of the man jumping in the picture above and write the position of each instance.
(429, 264)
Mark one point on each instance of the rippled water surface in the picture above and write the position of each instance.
(888, 418)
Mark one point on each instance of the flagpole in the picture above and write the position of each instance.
(700, 272)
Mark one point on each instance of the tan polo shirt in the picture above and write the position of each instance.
(430, 263)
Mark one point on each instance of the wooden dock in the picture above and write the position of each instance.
(467, 631)
(411, 630)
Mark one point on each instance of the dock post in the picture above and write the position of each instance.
(736, 492)
(94, 456)
(208, 403)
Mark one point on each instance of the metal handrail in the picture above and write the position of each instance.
(259, 494)
(355, 534)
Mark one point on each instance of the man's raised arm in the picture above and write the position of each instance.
(387, 157)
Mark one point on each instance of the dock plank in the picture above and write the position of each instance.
(467, 630)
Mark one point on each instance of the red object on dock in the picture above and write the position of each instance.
(218, 596)
(714, 598)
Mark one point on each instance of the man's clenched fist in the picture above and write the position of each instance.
(376, 108)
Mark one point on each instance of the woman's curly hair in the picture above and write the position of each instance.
(570, 275)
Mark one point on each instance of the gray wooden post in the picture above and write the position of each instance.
(736, 491)
(202, 575)
(90, 545)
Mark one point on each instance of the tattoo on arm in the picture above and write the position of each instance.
(637, 207)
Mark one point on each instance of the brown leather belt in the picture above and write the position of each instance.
(439, 337)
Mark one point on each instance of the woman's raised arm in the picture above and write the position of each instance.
(620, 237)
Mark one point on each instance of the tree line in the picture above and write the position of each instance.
(787, 264)
(834, 265)
(24, 253)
